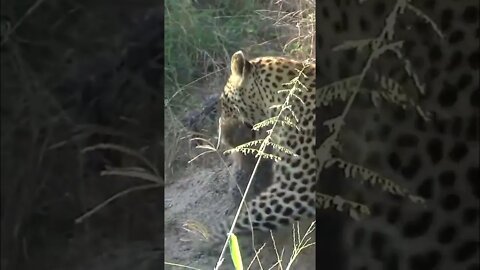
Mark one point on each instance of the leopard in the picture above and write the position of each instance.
(436, 159)
(253, 93)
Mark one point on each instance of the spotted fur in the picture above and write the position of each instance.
(251, 90)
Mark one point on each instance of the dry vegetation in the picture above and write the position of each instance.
(199, 40)
(75, 74)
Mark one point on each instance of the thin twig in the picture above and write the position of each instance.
(182, 266)
(114, 197)
(21, 20)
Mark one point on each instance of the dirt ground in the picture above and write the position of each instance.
(200, 194)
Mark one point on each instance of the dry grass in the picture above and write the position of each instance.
(201, 39)
(65, 86)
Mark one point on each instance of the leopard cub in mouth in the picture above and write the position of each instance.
(233, 134)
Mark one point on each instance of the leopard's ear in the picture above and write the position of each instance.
(239, 65)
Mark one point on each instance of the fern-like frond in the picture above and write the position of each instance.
(258, 153)
(245, 145)
(324, 152)
(422, 15)
(353, 170)
(397, 45)
(389, 90)
(408, 68)
(389, 28)
(267, 156)
(334, 124)
(284, 121)
(292, 112)
(356, 210)
(290, 91)
(283, 149)
(267, 122)
(358, 45)
(287, 121)
(247, 148)
(276, 106)
(339, 90)
(295, 86)
(393, 92)
(298, 98)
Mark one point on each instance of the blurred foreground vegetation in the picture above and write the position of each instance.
(75, 74)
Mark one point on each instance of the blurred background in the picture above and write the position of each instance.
(81, 134)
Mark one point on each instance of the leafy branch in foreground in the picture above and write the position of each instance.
(388, 89)
(296, 87)
(282, 118)
(353, 170)
(355, 209)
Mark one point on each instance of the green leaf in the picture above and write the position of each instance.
(235, 252)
